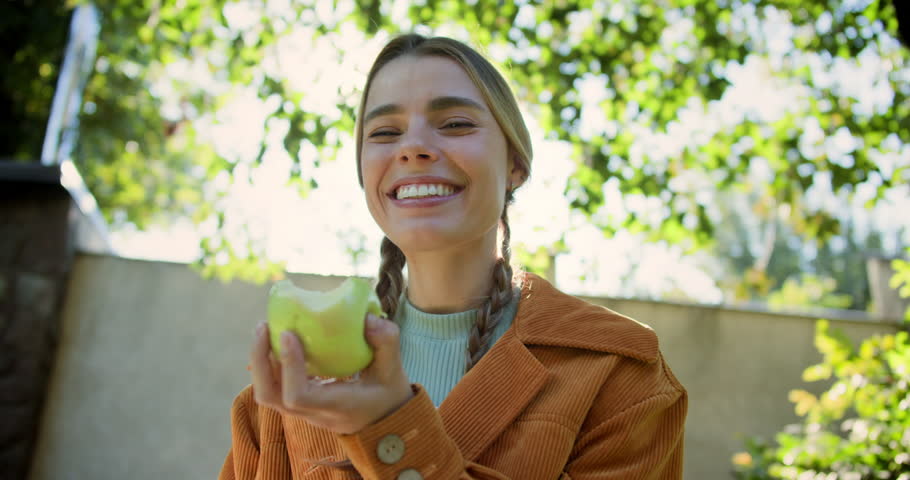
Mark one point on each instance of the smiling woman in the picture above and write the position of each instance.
(478, 372)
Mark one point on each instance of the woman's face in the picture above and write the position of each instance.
(435, 163)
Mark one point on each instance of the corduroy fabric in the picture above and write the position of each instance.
(433, 345)
(570, 391)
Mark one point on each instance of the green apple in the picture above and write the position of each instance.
(329, 324)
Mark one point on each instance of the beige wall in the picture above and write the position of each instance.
(151, 357)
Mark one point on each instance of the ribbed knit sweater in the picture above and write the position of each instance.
(433, 346)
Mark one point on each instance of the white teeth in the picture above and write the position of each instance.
(425, 190)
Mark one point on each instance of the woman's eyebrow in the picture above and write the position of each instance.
(442, 103)
(436, 104)
(387, 109)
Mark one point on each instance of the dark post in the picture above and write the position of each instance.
(36, 255)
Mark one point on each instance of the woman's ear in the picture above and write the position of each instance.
(517, 172)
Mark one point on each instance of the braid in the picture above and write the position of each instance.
(500, 296)
(391, 279)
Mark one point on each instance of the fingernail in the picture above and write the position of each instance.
(286, 341)
(260, 329)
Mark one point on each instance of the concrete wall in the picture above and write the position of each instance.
(151, 357)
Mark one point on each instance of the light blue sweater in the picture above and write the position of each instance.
(433, 346)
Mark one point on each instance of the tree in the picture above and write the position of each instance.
(619, 80)
(764, 258)
(31, 52)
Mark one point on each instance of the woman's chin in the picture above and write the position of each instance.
(425, 240)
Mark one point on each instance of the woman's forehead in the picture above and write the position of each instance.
(417, 80)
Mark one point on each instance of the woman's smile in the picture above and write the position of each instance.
(423, 192)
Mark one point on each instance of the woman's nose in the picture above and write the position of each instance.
(416, 145)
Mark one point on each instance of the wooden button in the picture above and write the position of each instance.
(390, 449)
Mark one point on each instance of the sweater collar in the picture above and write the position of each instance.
(445, 326)
(433, 325)
(549, 317)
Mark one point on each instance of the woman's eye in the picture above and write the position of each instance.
(458, 125)
(383, 133)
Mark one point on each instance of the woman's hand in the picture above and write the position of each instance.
(343, 407)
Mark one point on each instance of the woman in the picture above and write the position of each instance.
(480, 375)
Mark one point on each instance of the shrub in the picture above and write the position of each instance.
(856, 430)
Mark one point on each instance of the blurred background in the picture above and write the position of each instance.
(694, 163)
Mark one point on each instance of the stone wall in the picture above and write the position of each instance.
(36, 255)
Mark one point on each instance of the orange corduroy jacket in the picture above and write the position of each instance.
(570, 391)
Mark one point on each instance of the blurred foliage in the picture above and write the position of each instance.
(808, 291)
(31, 53)
(754, 462)
(230, 262)
(539, 261)
(901, 281)
(649, 61)
(859, 428)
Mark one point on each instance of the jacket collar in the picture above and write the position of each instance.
(549, 317)
(508, 377)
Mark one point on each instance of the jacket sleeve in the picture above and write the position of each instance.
(251, 454)
(411, 438)
(643, 441)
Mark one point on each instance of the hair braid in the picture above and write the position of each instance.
(500, 296)
(391, 279)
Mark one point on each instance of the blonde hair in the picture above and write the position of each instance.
(501, 101)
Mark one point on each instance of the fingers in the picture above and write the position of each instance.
(265, 386)
(299, 394)
(279, 383)
(276, 365)
(382, 335)
(294, 380)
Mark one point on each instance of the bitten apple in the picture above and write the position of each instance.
(330, 324)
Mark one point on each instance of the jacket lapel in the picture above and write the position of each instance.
(492, 394)
(487, 400)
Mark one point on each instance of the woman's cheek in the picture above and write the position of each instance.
(372, 193)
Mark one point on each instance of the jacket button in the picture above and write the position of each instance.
(410, 474)
(390, 449)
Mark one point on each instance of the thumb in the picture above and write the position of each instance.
(382, 335)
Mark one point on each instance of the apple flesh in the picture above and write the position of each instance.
(330, 325)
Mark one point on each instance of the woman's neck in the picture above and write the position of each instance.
(451, 281)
